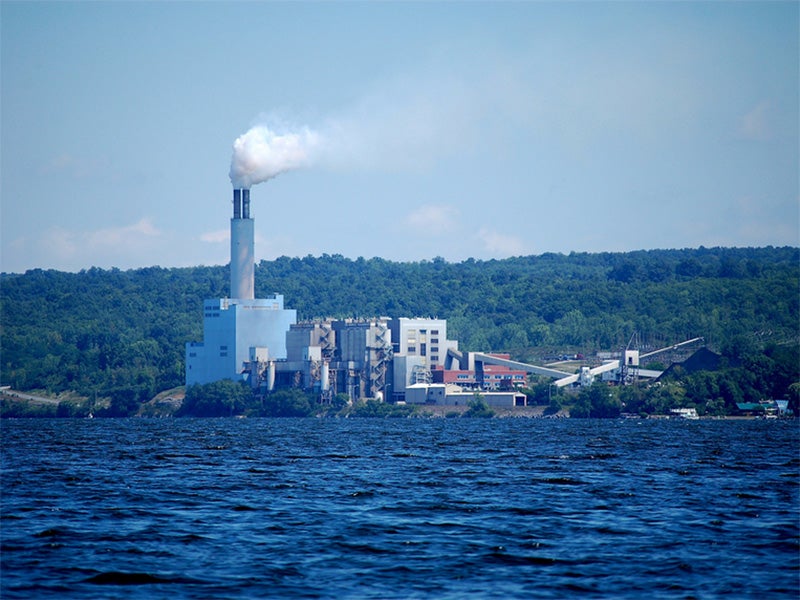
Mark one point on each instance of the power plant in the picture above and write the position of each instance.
(259, 341)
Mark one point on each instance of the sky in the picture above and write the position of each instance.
(420, 130)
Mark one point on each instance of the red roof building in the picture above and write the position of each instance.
(494, 377)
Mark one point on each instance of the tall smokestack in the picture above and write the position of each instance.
(242, 247)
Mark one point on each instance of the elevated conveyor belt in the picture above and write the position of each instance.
(465, 358)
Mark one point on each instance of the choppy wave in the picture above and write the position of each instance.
(448, 508)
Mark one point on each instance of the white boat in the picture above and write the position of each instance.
(685, 413)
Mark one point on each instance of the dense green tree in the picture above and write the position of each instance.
(104, 331)
(224, 398)
(124, 403)
(287, 403)
(478, 408)
(794, 398)
(339, 401)
(555, 405)
(664, 396)
(598, 401)
(581, 408)
(372, 408)
(632, 399)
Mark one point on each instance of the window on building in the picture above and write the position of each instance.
(423, 349)
(412, 349)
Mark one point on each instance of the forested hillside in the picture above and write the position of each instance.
(122, 333)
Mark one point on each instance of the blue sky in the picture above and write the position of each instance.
(451, 129)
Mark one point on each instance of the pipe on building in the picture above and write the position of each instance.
(324, 377)
(245, 204)
(237, 204)
(270, 375)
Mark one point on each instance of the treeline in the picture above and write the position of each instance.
(121, 334)
(229, 399)
(583, 301)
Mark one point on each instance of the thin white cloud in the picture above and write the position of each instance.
(58, 242)
(138, 244)
(283, 245)
(137, 233)
(500, 244)
(433, 218)
(765, 221)
(215, 237)
(72, 166)
(756, 124)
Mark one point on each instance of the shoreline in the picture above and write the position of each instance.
(166, 404)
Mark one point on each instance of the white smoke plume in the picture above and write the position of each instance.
(405, 123)
(261, 154)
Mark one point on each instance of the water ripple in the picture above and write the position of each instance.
(446, 508)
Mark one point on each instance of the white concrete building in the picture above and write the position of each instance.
(238, 329)
(448, 394)
(233, 330)
(419, 345)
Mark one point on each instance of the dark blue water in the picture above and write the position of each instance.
(441, 508)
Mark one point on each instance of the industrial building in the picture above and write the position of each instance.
(490, 377)
(240, 328)
(357, 357)
(260, 341)
(398, 359)
(448, 394)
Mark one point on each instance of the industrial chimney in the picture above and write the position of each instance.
(242, 247)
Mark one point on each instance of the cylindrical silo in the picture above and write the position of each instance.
(271, 375)
(324, 377)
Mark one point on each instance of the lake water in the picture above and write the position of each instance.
(399, 508)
